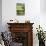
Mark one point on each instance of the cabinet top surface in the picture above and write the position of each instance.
(19, 23)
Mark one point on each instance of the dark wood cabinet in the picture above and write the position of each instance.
(22, 33)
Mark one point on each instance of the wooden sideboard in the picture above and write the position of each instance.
(22, 33)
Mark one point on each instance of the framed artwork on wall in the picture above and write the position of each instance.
(20, 9)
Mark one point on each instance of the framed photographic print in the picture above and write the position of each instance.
(20, 8)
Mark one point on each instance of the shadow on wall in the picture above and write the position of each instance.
(43, 6)
(0, 15)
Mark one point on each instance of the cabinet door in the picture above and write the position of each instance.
(20, 37)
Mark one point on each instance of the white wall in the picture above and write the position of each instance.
(43, 14)
(32, 13)
(32, 10)
(43, 6)
(0, 15)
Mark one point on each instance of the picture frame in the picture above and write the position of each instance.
(20, 9)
